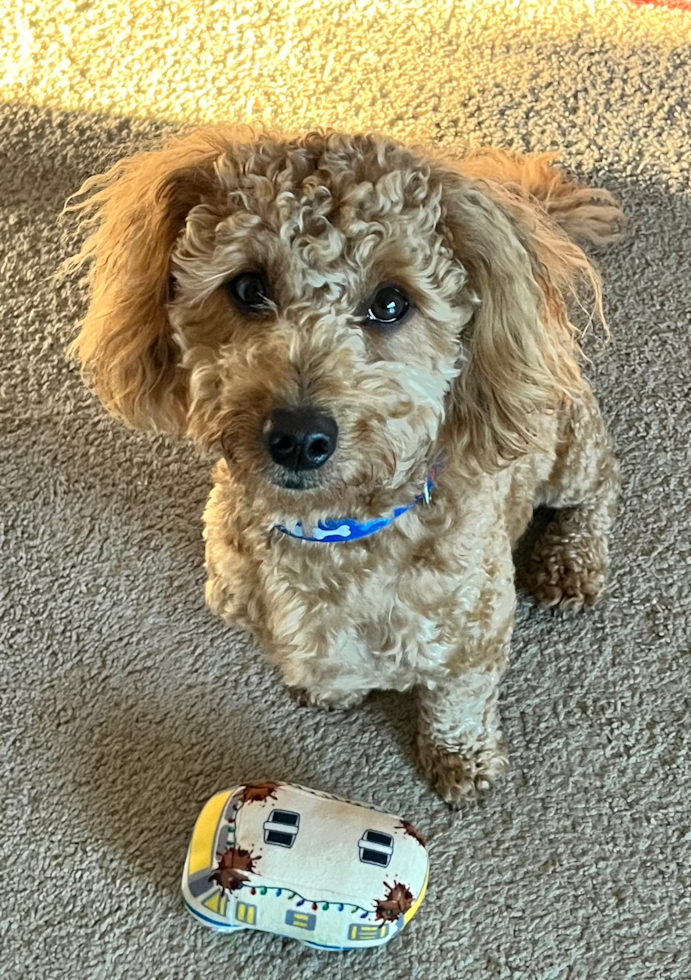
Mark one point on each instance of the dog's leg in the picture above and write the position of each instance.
(329, 699)
(568, 565)
(231, 590)
(460, 743)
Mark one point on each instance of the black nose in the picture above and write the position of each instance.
(300, 438)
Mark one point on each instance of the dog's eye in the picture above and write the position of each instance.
(387, 306)
(248, 291)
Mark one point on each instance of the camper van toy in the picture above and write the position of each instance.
(293, 861)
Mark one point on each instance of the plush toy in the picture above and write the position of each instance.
(285, 859)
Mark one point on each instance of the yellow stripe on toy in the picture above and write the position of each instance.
(407, 916)
(202, 854)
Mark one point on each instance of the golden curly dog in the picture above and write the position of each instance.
(375, 339)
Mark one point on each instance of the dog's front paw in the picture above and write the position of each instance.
(326, 700)
(568, 565)
(565, 579)
(459, 777)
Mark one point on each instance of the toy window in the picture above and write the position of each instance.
(376, 848)
(281, 828)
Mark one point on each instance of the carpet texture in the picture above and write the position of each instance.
(124, 705)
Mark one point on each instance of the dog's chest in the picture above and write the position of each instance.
(391, 615)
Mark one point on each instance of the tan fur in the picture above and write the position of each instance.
(484, 372)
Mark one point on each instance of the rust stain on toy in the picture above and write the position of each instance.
(258, 792)
(412, 832)
(233, 867)
(398, 900)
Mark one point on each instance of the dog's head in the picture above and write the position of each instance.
(326, 311)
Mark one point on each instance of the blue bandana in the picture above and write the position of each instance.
(337, 530)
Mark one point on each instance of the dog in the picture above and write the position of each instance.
(375, 342)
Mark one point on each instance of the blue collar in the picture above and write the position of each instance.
(338, 530)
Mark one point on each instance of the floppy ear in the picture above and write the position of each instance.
(136, 211)
(520, 349)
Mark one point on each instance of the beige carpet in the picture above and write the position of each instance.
(124, 705)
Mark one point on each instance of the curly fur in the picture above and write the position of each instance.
(485, 372)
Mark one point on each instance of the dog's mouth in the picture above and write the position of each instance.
(292, 481)
(298, 481)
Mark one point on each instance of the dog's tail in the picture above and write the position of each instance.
(586, 214)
